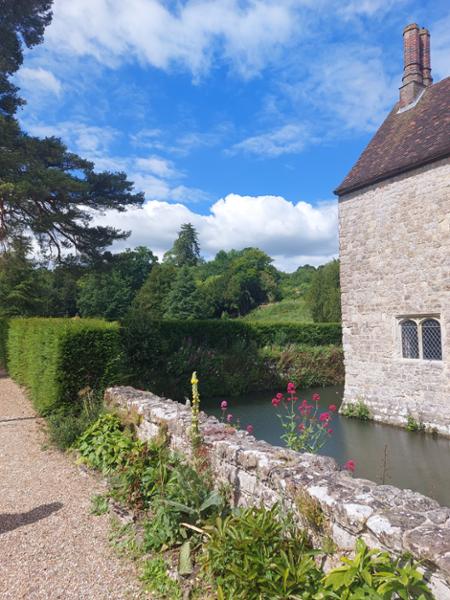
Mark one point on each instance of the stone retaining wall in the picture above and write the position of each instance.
(386, 517)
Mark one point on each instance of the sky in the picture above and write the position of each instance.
(239, 116)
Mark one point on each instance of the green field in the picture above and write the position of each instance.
(289, 310)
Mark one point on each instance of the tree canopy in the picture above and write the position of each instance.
(185, 251)
(22, 23)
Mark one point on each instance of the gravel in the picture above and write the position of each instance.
(51, 547)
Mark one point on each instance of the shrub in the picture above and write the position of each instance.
(256, 553)
(357, 410)
(4, 324)
(56, 358)
(309, 366)
(311, 334)
(161, 355)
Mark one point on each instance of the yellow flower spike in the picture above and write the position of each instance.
(194, 379)
(195, 409)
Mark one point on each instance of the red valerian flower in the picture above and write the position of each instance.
(332, 408)
(279, 396)
(250, 429)
(290, 388)
(350, 465)
(316, 397)
(323, 417)
(229, 418)
(329, 431)
(301, 427)
(224, 405)
(276, 401)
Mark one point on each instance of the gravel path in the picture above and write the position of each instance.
(50, 546)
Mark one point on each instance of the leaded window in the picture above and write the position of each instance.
(410, 339)
(431, 339)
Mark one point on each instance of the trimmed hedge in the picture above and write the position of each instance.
(4, 324)
(310, 334)
(231, 357)
(56, 358)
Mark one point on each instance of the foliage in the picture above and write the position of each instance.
(22, 24)
(152, 298)
(186, 250)
(162, 355)
(156, 579)
(312, 334)
(297, 284)
(373, 574)
(53, 194)
(66, 423)
(23, 287)
(324, 296)
(413, 424)
(4, 326)
(104, 445)
(56, 358)
(109, 288)
(305, 429)
(357, 410)
(184, 301)
(313, 366)
(289, 310)
(99, 504)
(258, 553)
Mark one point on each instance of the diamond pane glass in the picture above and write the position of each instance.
(431, 340)
(410, 340)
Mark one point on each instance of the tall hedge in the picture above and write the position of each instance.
(3, 342)
(56, 358)
(161, 355)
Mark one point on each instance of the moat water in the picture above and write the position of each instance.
(382, 453)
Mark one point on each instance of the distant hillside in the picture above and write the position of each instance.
(288, 310)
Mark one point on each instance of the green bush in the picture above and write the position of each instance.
(57, 358)
(4, 325)
(310, 334)
(228, 355)
(258, 553)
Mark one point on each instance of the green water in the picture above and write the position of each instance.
(414, 460)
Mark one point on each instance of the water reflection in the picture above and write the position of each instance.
(382, 453)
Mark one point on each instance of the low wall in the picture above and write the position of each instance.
(384, 516)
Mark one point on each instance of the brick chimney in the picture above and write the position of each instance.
(417, 68)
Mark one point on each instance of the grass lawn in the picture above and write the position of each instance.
(289, 310)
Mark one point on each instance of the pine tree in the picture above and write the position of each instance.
(186, 250)
(183, 301)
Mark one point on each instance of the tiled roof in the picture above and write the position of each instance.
(406, 140)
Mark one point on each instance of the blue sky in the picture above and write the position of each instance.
(239, 116)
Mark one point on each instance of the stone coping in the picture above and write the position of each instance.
(384, 516)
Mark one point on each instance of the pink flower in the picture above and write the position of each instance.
(324, 417)
(276, 401)
(316, 397)
(301, 427)
(350, 466)
(250, 429)
(224, 405)
(290, 388)
(332, 408)
(229, 418)
(329, 431)
(279, 396)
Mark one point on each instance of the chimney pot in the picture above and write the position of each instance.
(425, 54)
(412, 79)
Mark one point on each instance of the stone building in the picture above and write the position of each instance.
(394, 224)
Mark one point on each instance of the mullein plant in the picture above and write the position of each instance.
(195, 411)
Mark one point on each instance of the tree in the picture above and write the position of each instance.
(22, 23)
(153, 296)
(110, 288)
(23, 287)
(53, 194)
(186, 250)
(184, 301)
(324, 296)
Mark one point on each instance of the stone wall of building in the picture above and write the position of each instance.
(395, 262)
(386, 517)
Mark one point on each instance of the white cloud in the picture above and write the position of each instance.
(287, 139)
(38, 80)
(158, 166)
(292, 233)
(191, 34)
